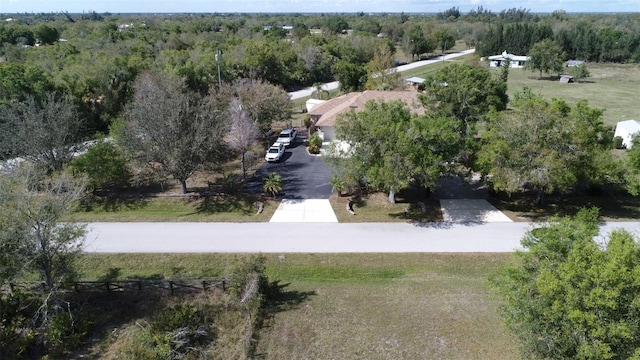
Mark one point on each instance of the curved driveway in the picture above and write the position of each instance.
(310, 237)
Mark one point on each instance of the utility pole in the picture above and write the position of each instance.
(444, 49)
(218, 61)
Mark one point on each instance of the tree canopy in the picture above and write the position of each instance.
(47, 132)
(390, 148)
(545, 56)
(171, 126)
(568, 295)
(465, 93)
(542, 145)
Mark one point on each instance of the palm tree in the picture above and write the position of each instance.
(319, 89)
(337, 184)
(273, 184)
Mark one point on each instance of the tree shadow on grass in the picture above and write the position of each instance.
(242, 203)
(616, 207)
(114, 202)
(280, 299)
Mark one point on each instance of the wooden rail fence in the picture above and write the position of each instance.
(119, 286)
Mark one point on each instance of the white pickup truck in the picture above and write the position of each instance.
(286, 137)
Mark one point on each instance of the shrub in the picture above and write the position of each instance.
(315, 139)
(66, 332)
(16, 335)
(617, 142)
(104, 164)
(307, 121)
(315, 142)
(313, 149)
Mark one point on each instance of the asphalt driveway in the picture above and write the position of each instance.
(304, 176)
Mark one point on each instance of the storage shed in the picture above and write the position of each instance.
(627, 130)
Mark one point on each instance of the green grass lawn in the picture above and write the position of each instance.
(176, 208)
(387, 306)
(346, 306)
(612, 87)
(375, 208)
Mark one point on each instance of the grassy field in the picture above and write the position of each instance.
(354, 306)
(613, 87)
(387, 306)
(240, 208)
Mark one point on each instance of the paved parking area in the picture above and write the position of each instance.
(306, 210)
(304, 176)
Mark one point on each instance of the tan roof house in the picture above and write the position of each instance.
(324, 115)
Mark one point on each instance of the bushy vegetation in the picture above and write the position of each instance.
(568, 295)
(315, 142)
(218, 324)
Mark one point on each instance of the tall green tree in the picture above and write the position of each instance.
(417, 43)
(352, 77)
(542, 145)
(393, 149)
(465, 93)
(46, 34)
(545, 56)
(445, 39)
(17, 81)
(568, 296)
(169, 125)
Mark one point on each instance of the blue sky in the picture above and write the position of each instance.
(305, 6)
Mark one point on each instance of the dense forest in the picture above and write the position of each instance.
(94, 58)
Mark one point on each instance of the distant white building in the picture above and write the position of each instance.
(515, 61)
(627, 130)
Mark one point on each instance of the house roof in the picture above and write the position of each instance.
(571, 63)
(311, 103)
(329, 111)
(415, 80)
(632, 126)
(512, 57)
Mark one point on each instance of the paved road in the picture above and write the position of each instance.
(334, 85)
(304, 176)
(310, 237)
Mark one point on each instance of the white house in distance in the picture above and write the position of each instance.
(627, 130)
(515, 61)
(324, 115)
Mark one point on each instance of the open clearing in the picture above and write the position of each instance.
(613, 87)
(385, 306)
(356, 306)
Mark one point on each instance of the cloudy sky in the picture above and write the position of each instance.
(307, 6)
